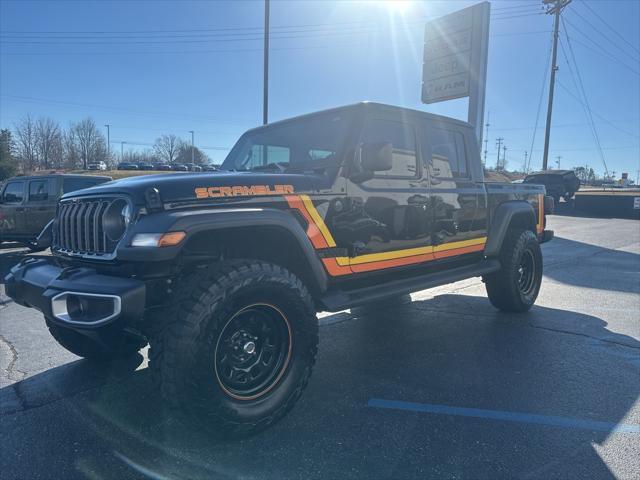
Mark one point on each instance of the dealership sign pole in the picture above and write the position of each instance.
(455, 60)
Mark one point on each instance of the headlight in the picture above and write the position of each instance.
(116, 219)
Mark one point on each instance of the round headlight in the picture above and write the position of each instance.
(116, 219)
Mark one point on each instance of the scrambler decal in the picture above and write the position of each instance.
(243, 191)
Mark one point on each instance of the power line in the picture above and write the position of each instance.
(542, 90)
(232, 50)
(611, 28)
(586, 101)
(602, 34)
(202, 118)
(219, 38)
(599, 49)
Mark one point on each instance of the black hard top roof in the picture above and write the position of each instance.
(550, 172)
(368, 105)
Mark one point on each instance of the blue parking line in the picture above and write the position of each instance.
(553, 421)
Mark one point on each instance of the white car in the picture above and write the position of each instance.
(97, 166)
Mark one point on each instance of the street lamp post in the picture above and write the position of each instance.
(108, 140)
(265, 78)
(122, 151)
(192, 150)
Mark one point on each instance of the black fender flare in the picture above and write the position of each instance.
(503, 216)
(196, 221)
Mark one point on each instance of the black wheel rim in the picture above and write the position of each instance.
(253, 351)
(527, 273)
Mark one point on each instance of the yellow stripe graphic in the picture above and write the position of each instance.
(318, 220)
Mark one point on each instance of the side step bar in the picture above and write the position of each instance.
(341, 300)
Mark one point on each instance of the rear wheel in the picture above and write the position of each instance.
(237, 351)
(117, 345)
(515, 287)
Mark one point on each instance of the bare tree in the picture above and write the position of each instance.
(27, 145)
(167, 147)
(47, 139)
(89, 141)
(184, 155)
(71, 153)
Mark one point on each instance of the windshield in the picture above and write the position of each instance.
(309, 143)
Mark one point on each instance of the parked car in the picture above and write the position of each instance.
(97, 166)
(146, 166)
(193, 167)
(209, 168)
(127, 166)
(163, 167)
(27, 204)
(224, 273)
(178, 167)
(559, 183)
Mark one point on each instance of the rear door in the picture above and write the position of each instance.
(40, 205)
(458, 198)
(12, 215)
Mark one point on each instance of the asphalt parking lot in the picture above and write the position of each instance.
(442, 386)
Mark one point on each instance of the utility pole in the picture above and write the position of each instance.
(504, 157)
(498, 145)
(556, 9)
(108, 140)
(524, 166)
(559, 157)
(486, 139)
(192, 150)
(265, 81)
(122, 151)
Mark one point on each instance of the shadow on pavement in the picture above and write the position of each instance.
(619, 268)
(452, 350)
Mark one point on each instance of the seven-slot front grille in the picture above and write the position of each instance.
(79, 227)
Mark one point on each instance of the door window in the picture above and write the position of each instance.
(262, 155)
(39, 190)
(13, 193)
(448, 154)
(71, 184)
(402, 137)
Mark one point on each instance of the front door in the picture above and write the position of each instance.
(458, 200)
(388, 215)
(13, 220)
(40, 205)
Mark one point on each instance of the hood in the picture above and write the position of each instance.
(179, 187)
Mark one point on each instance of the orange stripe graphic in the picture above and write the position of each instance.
(320, 237)
(540, 225)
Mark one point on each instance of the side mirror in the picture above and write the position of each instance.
(376, 157)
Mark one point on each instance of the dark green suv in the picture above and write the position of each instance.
(27, 204)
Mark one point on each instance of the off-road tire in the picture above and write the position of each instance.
(110, 348)
(184, 356)
(506, 288)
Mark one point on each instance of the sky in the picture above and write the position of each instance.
(153, 67)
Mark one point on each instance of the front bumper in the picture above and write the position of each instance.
(76, 297)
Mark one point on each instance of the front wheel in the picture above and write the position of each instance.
(515, 287)
(236, 353)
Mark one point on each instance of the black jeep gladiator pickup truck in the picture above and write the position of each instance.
(223, 273)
